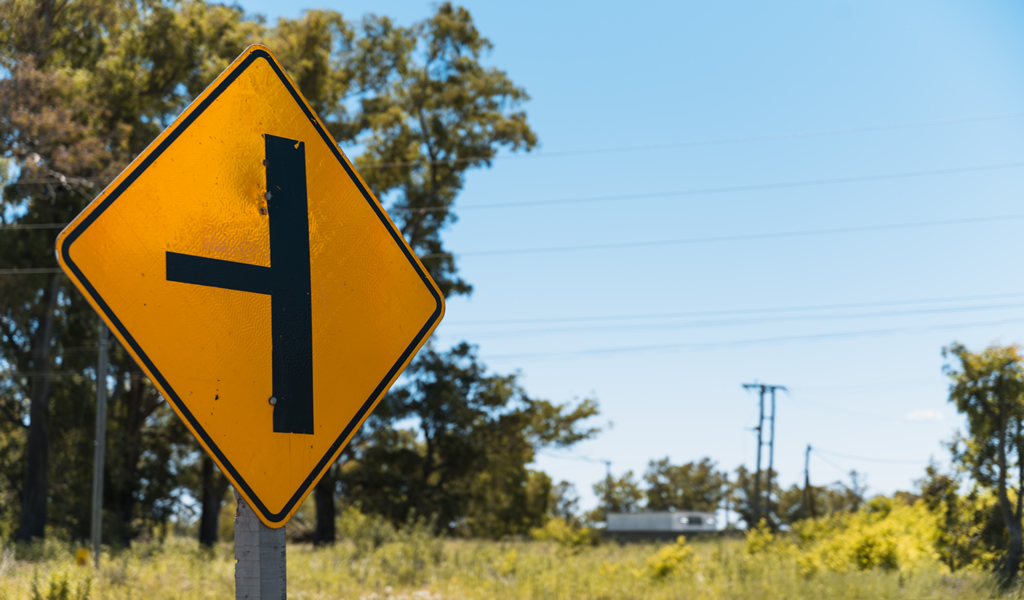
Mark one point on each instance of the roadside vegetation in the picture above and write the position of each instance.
(887, 549)
(444, 470)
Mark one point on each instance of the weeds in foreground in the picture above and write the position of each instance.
(886, 552)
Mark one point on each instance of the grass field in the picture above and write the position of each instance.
(417, 566)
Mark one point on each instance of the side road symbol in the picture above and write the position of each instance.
(286, 281)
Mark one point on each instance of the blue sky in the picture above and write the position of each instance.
(664, 335)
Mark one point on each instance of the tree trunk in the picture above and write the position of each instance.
(213, 496)
(1009, 564)
(37, 481)
(325, 510)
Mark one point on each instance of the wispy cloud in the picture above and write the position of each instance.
(924, 414)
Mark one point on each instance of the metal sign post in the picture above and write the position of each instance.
(260, 561)
(100, 447)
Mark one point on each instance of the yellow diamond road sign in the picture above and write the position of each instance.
(255, 279)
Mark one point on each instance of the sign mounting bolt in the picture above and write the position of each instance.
(268, 196)
(273, 401)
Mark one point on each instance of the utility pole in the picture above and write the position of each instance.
(756, 500)
(756, 505)
(807, 509)
(771, 451)
(100, 446)
(727, 494)
(608, 490)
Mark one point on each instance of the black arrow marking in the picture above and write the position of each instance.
(286, 281)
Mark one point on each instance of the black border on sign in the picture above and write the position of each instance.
(173, 396)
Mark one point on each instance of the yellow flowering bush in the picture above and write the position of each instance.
(884, 534)
(670, 560)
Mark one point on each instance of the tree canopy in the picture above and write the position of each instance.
(85, 85)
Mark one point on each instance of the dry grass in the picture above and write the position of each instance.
(413, 565)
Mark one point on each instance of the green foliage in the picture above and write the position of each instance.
(626, 497)
(564, 503)
(465, 464)
(85, 86)
(988, 389)
(838, 496)
(718, 569)
(432, 111)
(965, 534)
(693, 486)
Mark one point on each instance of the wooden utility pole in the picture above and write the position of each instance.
(771, 458)
(756, 500)
(808, 509)
(756, 504)
(608, 490)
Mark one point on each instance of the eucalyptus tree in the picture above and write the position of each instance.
(987, 387)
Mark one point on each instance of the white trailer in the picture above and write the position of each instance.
(660, 524)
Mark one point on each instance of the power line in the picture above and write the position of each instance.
(866, 459)
(651, 195)
(585, 459)
(32, 271)
(612, 150)
(746, 310)
(705, 142)
(732, 188)
(847, 411)
(834, 465)
(753, 342)
(732, 238)
(33, 226)
(677, 242)
(728, 323)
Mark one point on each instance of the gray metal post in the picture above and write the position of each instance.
(100, 445)
(260, 562)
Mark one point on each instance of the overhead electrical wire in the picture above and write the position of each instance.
(611, 351)
(846, 411)
(866, 459)
(676, 242)
(32, 271)
(744, 311)
(830, 463)
(664, 146)
(586, 459)
(704, 142)
(728, 323)
(734, 188)
(732, 238)
(669, 194)
(680, 242)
